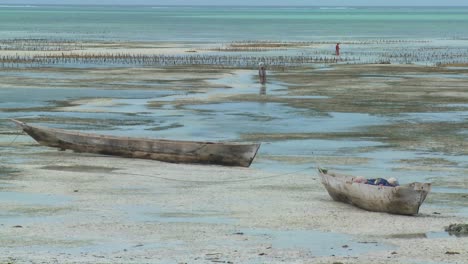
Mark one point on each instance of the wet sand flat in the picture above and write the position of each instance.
(401, 121)
(109, 211)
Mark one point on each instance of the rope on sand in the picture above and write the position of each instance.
(194, 181)
(216, 182)
(17, 135)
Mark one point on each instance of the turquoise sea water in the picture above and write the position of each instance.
(215, 24)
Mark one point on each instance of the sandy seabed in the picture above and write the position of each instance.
(89, 209)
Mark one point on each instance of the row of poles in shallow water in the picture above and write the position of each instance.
(165, 60)
(385, 51)
(273, 62)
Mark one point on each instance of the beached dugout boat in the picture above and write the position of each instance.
(220, 153)
(404, 199)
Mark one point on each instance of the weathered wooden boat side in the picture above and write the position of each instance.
(403, 199)
(220, 153)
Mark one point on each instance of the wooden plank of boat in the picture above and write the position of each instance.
(220, 153)
(403, 199)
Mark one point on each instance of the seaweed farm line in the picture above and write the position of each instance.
(32, 61)
(40, 45)
(163, 60)
(34, 53)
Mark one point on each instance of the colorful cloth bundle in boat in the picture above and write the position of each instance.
(379, 181)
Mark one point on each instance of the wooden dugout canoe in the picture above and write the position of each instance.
(404, 199)
(219, 153)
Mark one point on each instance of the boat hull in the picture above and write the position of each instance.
(218, 153)
(404, 199)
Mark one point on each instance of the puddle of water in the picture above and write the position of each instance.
(430, 235)
(194, 219)
(69, 115)
(244, 81)
(39, 97)
(456, 116)
(463, 211)
(8, 140)
(305, 97)
(448, 190)
(120, 108)
(318, 243)
(301, 155)
(311, 147)
(97, 246)
(150, 214)
(457, 68)
(5, 171)
(385, 163)
(20, 219)
(238, 80)
(43, 75)
(455, 105)
(5, 184)
(218, 122)
(30, 199)
(33, 198)
(425, 262)
(277, 117)
(127, 105)
(440, 75)
(380, 77)
(325, 68)
(10, 159)
(275, 167)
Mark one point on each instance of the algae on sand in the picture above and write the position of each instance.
(457, 229)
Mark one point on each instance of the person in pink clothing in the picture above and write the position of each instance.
(337, 49)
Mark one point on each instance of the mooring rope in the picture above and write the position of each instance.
(11, 143)
(217, 182)
(62, 158)
(21, 132)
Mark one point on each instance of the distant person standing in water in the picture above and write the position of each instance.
(262, 72)
(337, 49)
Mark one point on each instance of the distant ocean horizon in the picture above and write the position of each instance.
(221, 6)
(231, 23)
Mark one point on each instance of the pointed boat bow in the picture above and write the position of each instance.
(18, 123)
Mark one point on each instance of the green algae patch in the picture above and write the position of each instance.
(7, 173)
(447, 199)
(457, 229)
(40, 210)
(80, 168)
(300, 136)
(289, 188)
(161, 128)
(428, 162)
(316, 159)
(32, 241)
